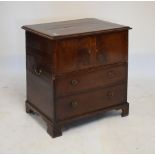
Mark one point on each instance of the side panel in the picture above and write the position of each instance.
(39, 66)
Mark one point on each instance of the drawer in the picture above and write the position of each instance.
(84, 80)
(76, 105)
(112, 48)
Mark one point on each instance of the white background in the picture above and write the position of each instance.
(19, 133)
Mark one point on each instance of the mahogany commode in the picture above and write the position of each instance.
(76, 69)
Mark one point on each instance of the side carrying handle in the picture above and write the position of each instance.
(37, 71)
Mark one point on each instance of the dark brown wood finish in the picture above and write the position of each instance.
(74, 28)
(75, 105)
(74, 54)
(112, 48)
(75, 82)
(76, 69)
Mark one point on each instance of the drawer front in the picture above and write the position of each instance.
(112, 48)
(39, 66)
(74, 54)
(76, 105)
(80, 81)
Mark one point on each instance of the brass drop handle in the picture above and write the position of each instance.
(111, 74)
(37, 71)
(74, 82)
(110, 94)
(74, 104)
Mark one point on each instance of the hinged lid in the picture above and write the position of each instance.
(71, 28)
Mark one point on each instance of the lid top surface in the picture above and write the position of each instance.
(69, 28)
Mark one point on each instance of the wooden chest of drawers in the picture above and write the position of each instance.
(76, 69)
